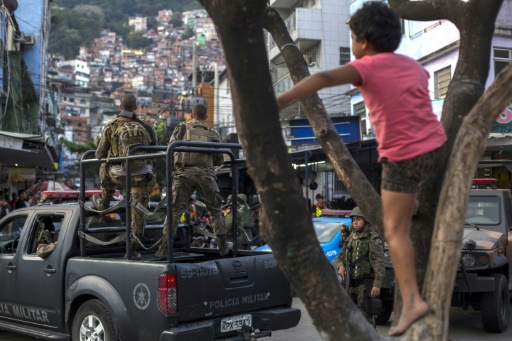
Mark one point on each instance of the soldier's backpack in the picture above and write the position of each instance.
(128, 133)
(200, 132)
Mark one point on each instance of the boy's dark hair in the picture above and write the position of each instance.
(129, 102)
(200, 112)
(378, 24)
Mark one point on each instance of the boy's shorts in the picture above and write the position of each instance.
(405, 176)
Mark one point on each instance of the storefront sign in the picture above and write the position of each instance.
(22, 174)
(503, 123)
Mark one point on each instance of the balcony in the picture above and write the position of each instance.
(283, 3)
(304, 24)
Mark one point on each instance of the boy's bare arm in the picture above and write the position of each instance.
(310, 85)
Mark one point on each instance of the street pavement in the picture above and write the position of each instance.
(464, 326)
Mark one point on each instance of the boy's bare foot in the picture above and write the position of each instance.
(408, 317)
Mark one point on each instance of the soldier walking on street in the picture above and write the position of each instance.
(126, 131)
(363, 258)
(195, 172)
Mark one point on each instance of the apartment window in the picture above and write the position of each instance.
(360, 109)
(310, 52)
(82, 101)
(344, 55)
(502, 57)
(442, 80)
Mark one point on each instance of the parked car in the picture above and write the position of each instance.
(327, 229)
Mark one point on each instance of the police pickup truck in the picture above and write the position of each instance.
(85, 290)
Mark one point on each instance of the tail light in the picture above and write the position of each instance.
(168, 294)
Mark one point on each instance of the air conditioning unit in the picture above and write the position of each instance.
(29, 41)
(19, 37)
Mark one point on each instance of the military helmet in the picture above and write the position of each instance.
(240, 196)
(356, 212)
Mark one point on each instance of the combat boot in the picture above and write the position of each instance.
(100, 203)
(162, 251)
(133, 251)
(224, 246)
(96, 200)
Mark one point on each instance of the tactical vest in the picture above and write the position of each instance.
(359, 256)
(200, 132)
(127, 133)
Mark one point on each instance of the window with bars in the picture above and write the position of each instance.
(344, 55)
(502, 57)
(339, 187)
(442, 80)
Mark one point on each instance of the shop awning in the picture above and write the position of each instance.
(26, 150)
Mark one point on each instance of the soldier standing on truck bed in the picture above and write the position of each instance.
(195, 172)
(126, 131)
(363, 257)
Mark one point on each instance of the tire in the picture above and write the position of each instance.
(495, 306)
(93, 317)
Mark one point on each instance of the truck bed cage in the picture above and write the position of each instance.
(160, 152)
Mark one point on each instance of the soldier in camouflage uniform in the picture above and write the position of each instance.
(195, 171)
(45, 244)
(119, 135)
(364, 252)
(245, 221)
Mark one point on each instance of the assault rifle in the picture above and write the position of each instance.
(348, 266)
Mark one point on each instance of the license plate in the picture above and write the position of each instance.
(235, 323)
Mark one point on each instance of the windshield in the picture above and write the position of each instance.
(325, 231)
(483, 210)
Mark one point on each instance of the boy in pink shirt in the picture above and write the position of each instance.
(409, 135)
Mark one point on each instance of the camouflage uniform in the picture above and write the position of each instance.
(45, 244)
(366, 257)
(195, 172)
(111, 174)
(244, 223)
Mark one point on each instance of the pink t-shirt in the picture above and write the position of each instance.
(395, 90)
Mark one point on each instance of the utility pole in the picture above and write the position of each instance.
(194, 75)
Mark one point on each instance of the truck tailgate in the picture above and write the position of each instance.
(229, 286)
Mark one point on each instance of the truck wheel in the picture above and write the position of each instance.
(385, 314)
(93, 321)
(495, 306)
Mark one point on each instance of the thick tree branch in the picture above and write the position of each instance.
(344, 165)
